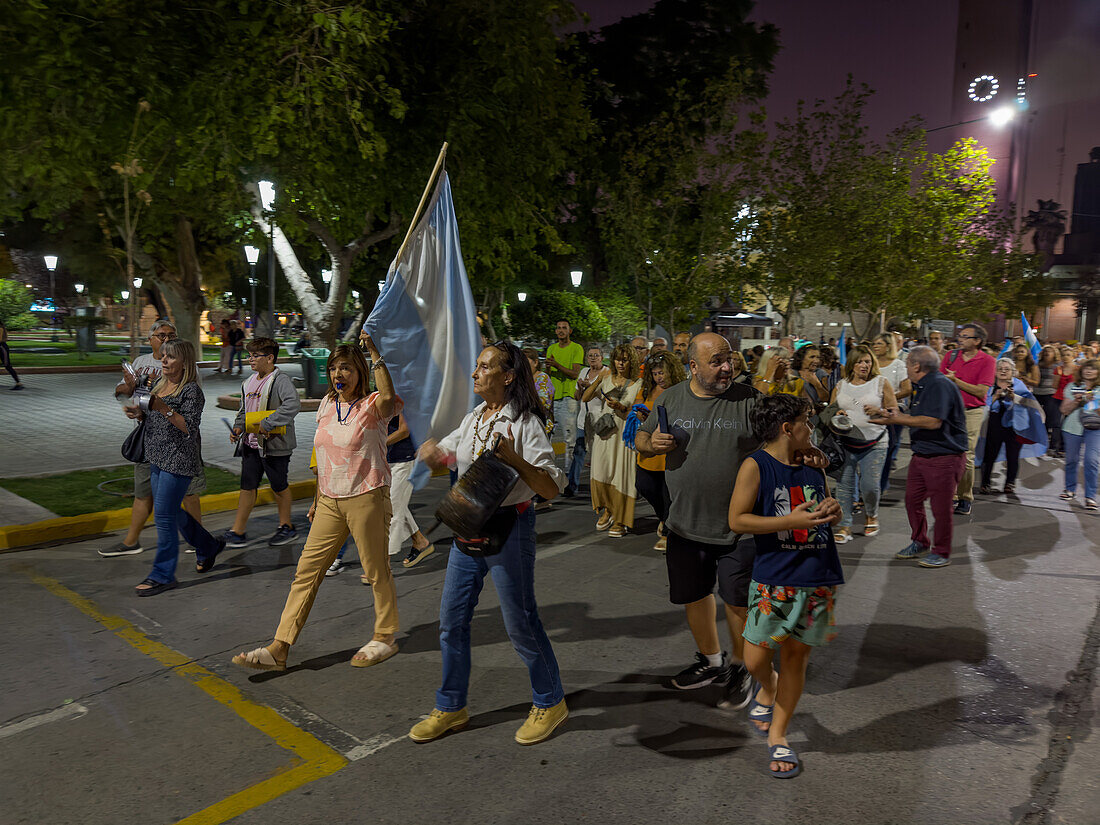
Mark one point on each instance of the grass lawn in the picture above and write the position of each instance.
(70, 357)
(76, 493)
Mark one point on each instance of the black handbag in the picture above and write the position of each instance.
(472, 504)
(133, 448)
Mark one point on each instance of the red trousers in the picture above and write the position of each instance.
(933, 479)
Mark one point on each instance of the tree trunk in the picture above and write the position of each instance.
(181, 283)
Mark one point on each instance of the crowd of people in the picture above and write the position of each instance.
(755, 463)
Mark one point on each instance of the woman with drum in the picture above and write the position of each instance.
(511, 411)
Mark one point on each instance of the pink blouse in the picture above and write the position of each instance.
(351, 453)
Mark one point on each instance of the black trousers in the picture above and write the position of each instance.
(1052, 409)
(651, 486)
(5, 359)
(996, 436)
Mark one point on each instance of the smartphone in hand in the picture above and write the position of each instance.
(662, 419)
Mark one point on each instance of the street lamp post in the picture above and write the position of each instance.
(267, 201)
(253, 255)
(326, 276)
(133, 316)
(51, 264)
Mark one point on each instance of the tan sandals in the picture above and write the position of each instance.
(259, 659)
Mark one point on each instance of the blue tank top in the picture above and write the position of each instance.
(793, 558)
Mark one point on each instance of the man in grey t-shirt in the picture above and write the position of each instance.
(709, 436)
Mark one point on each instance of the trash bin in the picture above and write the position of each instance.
(314, 360)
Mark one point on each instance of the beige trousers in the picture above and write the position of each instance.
(367, 518)
(974, 419)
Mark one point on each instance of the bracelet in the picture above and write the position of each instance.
(381, 362)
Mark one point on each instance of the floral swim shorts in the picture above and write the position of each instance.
(779, 613)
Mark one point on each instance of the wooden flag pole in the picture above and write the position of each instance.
(423, 200)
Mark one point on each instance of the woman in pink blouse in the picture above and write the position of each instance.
(352, 497)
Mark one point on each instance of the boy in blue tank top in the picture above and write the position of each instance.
(794, 578)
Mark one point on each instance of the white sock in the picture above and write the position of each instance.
(714, 659)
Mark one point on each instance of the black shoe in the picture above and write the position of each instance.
(416, 556)
(18, 387)
(156, 587)
(701, 674)
(235, 540)
(569, 491)
(284, 535)
(202, 565)
(963, 508)
(739, 689)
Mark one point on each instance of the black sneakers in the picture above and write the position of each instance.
(284, 535)
(702, 673)
(235, 540)
(739, 690)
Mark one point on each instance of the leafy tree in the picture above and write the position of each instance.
(656, 190)
(623, 315)
(15, 301)
(535, 317)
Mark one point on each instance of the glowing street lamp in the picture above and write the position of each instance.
(522, 296)
(1002, 116)
(126, 295)
(575, 276)
(252, 255)
(51, 264)
(267, 201)
(326, 276)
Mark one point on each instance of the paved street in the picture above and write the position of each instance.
(950, 696)
(72, 422)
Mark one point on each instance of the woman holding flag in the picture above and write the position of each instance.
(1013, 428)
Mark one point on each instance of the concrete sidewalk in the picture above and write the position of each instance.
(962, 695)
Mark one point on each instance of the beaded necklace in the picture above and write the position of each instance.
(481, 443)
(343, 420)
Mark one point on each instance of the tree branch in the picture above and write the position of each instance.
(369, 239)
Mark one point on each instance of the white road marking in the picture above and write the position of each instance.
(66, 711)
(372, 746)
(154, 621)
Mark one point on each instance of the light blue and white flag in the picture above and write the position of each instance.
(1031, 338)
(1006, 350)
(425, 325)
(841, 348)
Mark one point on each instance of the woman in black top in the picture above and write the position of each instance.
(172, 450)
(5, 356)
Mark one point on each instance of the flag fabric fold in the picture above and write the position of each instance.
(1031, 338)
(841, 349)
(425, 325)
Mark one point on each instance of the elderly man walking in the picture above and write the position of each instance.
(938, 436)
(971, 370)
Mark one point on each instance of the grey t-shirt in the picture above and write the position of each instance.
(713, 437)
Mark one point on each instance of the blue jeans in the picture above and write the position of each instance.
(171, 520)
(893, 432)
(868, 466)
(575, 469)
(513, 572)
(565, 426)
(1091, 442)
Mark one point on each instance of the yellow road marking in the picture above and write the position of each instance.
(313, 758)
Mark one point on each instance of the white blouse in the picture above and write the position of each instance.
(531, 442)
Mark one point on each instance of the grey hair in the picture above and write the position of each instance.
(925, 357)
(1008, 361)
(162, 322)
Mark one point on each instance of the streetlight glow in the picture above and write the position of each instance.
(575, 276)
(267, 194)
(522, 296)
(51, 262)
(252, 254)
(381, 285)
(1002, 116)
(126, 295)
(326, 275)
(137, 283)
(79, 288)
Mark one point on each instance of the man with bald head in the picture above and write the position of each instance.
(709, 436)
(680, 343)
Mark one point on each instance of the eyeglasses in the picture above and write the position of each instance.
(165, 336)
(253, 355)
(962, 337)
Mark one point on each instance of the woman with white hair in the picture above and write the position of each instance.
(1013, 428)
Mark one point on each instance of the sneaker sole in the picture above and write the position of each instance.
(280, 543)
(720, 679)
(110, 554)
(422, 739)
(545, 736)
(423, 555)
(237, 545)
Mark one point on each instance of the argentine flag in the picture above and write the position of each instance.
(1032, 340)
(425, 325)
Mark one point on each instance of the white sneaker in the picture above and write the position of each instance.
(337, 567)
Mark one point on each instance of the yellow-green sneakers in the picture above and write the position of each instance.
(541, 723)
(438, 723)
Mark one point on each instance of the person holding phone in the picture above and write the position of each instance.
(663, 370)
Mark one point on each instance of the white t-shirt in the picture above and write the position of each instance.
(586, 407)
(895, 373)
(852, 398)
(148, 365)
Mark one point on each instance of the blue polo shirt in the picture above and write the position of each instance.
(936, 396)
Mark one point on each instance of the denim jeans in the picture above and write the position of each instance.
(893, 432)
(171, 520)
(513, 572)
(868, 466)
(577, 467)
(565, 426)
(1073, 443)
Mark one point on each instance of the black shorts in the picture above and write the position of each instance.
(694, 568)
(254, 466)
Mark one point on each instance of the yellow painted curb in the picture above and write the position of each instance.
(70, 528)
(313, 759)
